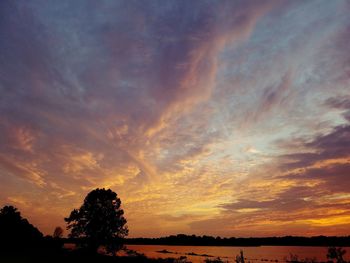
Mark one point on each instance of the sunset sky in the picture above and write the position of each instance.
(227, 118)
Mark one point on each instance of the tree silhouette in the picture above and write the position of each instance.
(99, 221)
(16, 232)
(58, 232)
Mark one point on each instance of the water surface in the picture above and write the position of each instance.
(252, 254)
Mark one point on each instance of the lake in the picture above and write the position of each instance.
(252, 254)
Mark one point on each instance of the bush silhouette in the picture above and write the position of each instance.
(99, 221)
(336, 254)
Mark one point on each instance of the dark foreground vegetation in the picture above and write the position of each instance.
(77, 256)
(98, 229)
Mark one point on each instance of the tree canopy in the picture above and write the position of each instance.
(99, 221)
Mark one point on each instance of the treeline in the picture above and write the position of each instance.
(18, 236)
(193, 240)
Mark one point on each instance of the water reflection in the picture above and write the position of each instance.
(252, 254)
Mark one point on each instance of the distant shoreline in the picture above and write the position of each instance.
(192, 240)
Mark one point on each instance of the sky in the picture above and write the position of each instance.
(224, 118)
